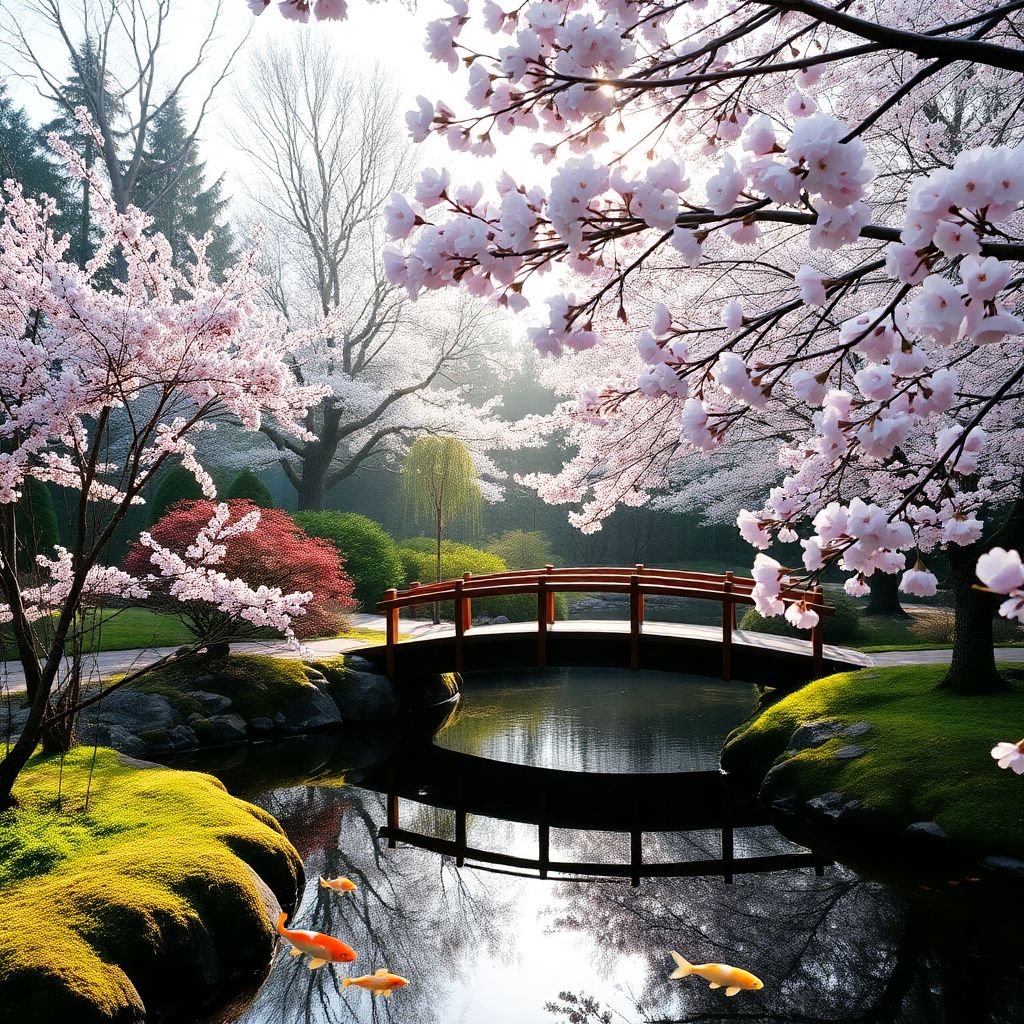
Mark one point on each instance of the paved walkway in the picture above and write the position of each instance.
(109, 663)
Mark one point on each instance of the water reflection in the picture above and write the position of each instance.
(488, 948)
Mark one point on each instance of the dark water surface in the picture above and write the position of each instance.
(483, 947)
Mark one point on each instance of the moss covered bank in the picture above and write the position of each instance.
(139, 890)
(881, 763)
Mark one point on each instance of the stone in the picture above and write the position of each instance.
(111, 736)
(500, 620)
(1004, 865)
(279, 720)
(137, 712)
(848, 753)
(212, 703)
(261, 726)
(228, 729)
(311, 711)
(814, 734)
(182, 737)
(926, 828)
(832, 805)
(371, 696)
(857, 729)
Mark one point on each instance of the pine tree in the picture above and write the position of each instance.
(172, 189)
(249, 486)
(81, 90)
(25, 157)
(177, 484)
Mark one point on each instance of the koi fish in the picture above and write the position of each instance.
(338, 884)
(322, 949)
(732, 979)
(380, 983)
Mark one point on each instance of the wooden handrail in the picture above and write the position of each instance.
(637, 581)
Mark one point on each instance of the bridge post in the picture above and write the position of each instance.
(728, 624)
(460, 838)
(640, 571)
(467, 618)
(543, 848)
(817, 639)
(391, 619)
(551, 598)
(636, 858)
(460, 623)
(542, 623)
(636, 617)
(392, 818)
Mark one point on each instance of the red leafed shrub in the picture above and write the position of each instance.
(276, 554)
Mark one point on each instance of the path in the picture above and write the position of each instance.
(107, 663)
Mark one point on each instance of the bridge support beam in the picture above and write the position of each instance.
(728, 625)
(542, 623)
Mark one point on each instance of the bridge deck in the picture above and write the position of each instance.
(755, 657)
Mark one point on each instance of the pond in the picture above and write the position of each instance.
(593, 756)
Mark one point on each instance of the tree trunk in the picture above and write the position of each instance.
(973, 668)
(437, 604)
(885, 595)
(312, 490)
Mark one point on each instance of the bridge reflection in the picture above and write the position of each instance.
(470, 786)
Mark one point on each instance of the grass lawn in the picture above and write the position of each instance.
(928, 751)
(128, 629)
(127, 898)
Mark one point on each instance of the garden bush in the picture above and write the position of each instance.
(523, 549)
(177, 484)
(935, 626)
(844, 627)
(420, 562)
(370, 552)
(249, 486)
(37, 529)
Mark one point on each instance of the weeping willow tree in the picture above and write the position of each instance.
(439, 484)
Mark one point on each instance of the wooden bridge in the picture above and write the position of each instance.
(641, 637)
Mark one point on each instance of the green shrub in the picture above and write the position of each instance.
(248, 485)
(419, 559)
(522, 549)
(371, 555)
(844, 627)
(177, 484)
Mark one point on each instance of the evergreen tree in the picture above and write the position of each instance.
(172, 189)
(248, 485)
(84, 88)
(37, 529)
(177, 484)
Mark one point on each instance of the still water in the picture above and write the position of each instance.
(484, 947)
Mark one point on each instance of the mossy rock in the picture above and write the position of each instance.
(907, 752)
(152, 894)
(364, 694)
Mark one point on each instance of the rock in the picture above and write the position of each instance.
(182, 737)
(228, 729)
(310, 711)
(137, 712)
(848, 753)
(832, 805)
(260, 726)
(1004, 865)
(212, 703)
(857, 729)
(500, 620)
(279, 720)
(370, 696)
(927, 828)
(158, 742)
(112, 736)
(813, 734)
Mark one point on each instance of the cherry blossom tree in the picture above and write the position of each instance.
(884, 350)
(172, 354)
(262, 547)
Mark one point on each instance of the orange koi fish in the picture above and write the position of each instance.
(732, 979)
(380, 983)
(338, 884)
(322, 949)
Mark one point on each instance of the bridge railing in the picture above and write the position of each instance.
(638, 581)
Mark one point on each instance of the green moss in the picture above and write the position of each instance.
(927, 751)
(258, 685)
(155, 737)
(134, 897)
(203, 728)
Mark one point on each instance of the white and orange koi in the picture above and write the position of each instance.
(380, 983)
(338, 884)
(322, 949)
(732, 979)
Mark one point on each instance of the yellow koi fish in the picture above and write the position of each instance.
(338, 884)
(732, 979)
(380, 983)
